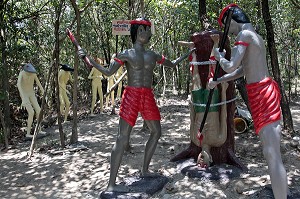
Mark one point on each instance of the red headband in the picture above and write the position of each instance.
(140, 22)
(224, 10)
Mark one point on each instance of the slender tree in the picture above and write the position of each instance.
(55, 64)
(74, 137)
(205, 25)
(4, 72)
(286, 112)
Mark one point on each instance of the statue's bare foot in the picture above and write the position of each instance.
(118, 188)
(215, 38)
(201, 163)
(28, 135)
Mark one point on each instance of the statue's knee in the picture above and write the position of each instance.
(123, 140)
(157, 134)
(126, 144)
(68, 104)
(30, 113)
(270, 154)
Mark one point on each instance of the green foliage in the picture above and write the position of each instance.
(29, 30)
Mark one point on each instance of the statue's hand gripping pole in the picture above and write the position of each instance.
(211, 91)
(77, 46)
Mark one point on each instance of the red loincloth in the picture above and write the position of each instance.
(135, 100)
(264, 101)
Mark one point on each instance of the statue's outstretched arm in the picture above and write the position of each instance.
(237, 55)
(239, 72)
(113, 66)
(173, 63)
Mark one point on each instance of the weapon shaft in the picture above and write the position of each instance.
(222, 45)
(77, 46)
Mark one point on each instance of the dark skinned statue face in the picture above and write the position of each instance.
(144, 34)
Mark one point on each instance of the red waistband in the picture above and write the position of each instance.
(263, 81)
(141, 89)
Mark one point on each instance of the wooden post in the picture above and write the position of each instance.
(224, 153)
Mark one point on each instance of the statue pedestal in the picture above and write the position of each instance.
(140, 188)
(215, 172)
(267, 193)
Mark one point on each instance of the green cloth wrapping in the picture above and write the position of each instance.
(201, 96)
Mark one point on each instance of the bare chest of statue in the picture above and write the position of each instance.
(141, 60)
(140, 66)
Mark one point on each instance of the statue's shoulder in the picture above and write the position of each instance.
(246, 33)
(152, 53)
(124, 54)
(246, 36)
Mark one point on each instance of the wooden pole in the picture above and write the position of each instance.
(142, 8)
(227, 24)
(116, 84)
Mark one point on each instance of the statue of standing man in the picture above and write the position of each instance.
(25, 85)
(248, 59)
(138, 96)
(64, 75)
(96, 77)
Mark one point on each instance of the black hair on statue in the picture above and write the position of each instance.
(66, 67)
(238, 15)
(134, 28)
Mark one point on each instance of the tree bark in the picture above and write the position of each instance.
(4, 72)
(205, 25)
(74, 136)
(55, 65)
(226, 152)
(286, 112)
(204, 45)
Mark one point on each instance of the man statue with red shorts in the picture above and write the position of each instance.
(137, 97)
(248, 58)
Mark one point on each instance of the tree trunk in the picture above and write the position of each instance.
(204, 45)
(4, 73)
(55, 65)
(286, 112)
(289, 71)
(4, 130)
(240, 84)
(296, 73)
(224, 153)
(74, 136)
(205, 25)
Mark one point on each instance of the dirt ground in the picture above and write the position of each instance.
(82, 170)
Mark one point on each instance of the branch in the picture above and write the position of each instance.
(86, 6)
(296, 3)
(116, 5)
(31, 15)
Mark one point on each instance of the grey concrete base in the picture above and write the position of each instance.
(216, 172)
(140, 188)
(267, 193)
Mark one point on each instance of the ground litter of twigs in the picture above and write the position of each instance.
(82, 170)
